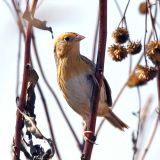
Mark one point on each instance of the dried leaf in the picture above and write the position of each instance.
(36, 22)
(31, 125)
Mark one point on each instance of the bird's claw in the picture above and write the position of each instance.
(87, 139)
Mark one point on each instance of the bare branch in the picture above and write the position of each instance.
(99, 75)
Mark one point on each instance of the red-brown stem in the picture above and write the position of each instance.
(22, 99)
(87, 151)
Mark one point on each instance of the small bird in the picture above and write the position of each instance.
(74, 75)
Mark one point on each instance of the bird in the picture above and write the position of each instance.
(75, 74)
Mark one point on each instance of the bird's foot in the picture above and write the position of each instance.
(93, 137)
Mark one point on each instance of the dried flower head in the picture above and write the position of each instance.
(134, 47)
(141, 76)
(153, 51)
(117, 52)
(120, 35)
(143, 9)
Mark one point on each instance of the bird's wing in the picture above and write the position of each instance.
(108, 92)
(88, 61)
(107, 87)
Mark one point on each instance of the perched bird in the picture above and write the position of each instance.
(74, 73)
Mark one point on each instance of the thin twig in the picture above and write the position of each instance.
(22, 100)
(87, 151)
(18, 63)
(145, 35)
(118, 7)
(124, 15)
(138, 126)
(10, 8)
(144, 115)
(152, 19)
(150, 139)
(95, 40)
(19, 22)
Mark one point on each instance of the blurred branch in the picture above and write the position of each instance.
(22, 100)
(49, 120)
(18, 63)
(124, 14)
(20, 24)
(118, 7)
(144, 115)
(135, 139)
(10, 8)
(145, 35)
(152, 19)
(87, 151)
(151, 138)
(95, 40)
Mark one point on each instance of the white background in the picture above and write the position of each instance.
(76, 16)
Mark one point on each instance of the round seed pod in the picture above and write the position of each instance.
(153, 51)
(141, 76)
(117, 52)
(120, 35)
(134, 47)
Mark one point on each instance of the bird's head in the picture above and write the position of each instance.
(67, 44)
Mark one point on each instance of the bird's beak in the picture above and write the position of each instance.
(79, 37)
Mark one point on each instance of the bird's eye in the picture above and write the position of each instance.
(67, 38)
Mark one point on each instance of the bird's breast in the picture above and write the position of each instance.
(79, 89)
(76, 85)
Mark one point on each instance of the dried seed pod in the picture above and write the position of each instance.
(117, 52)
(143, 9)
(120, 35)
(141, 76)
(134, 47)
(153, 51)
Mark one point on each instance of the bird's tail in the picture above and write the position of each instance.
(115, 121)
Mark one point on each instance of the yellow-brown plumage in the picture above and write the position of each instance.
(75, 75)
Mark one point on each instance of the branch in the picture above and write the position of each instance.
(19, 20)
(151, 138)
(99, 75)
(136, 139)
(22, 100)
(49, 121)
